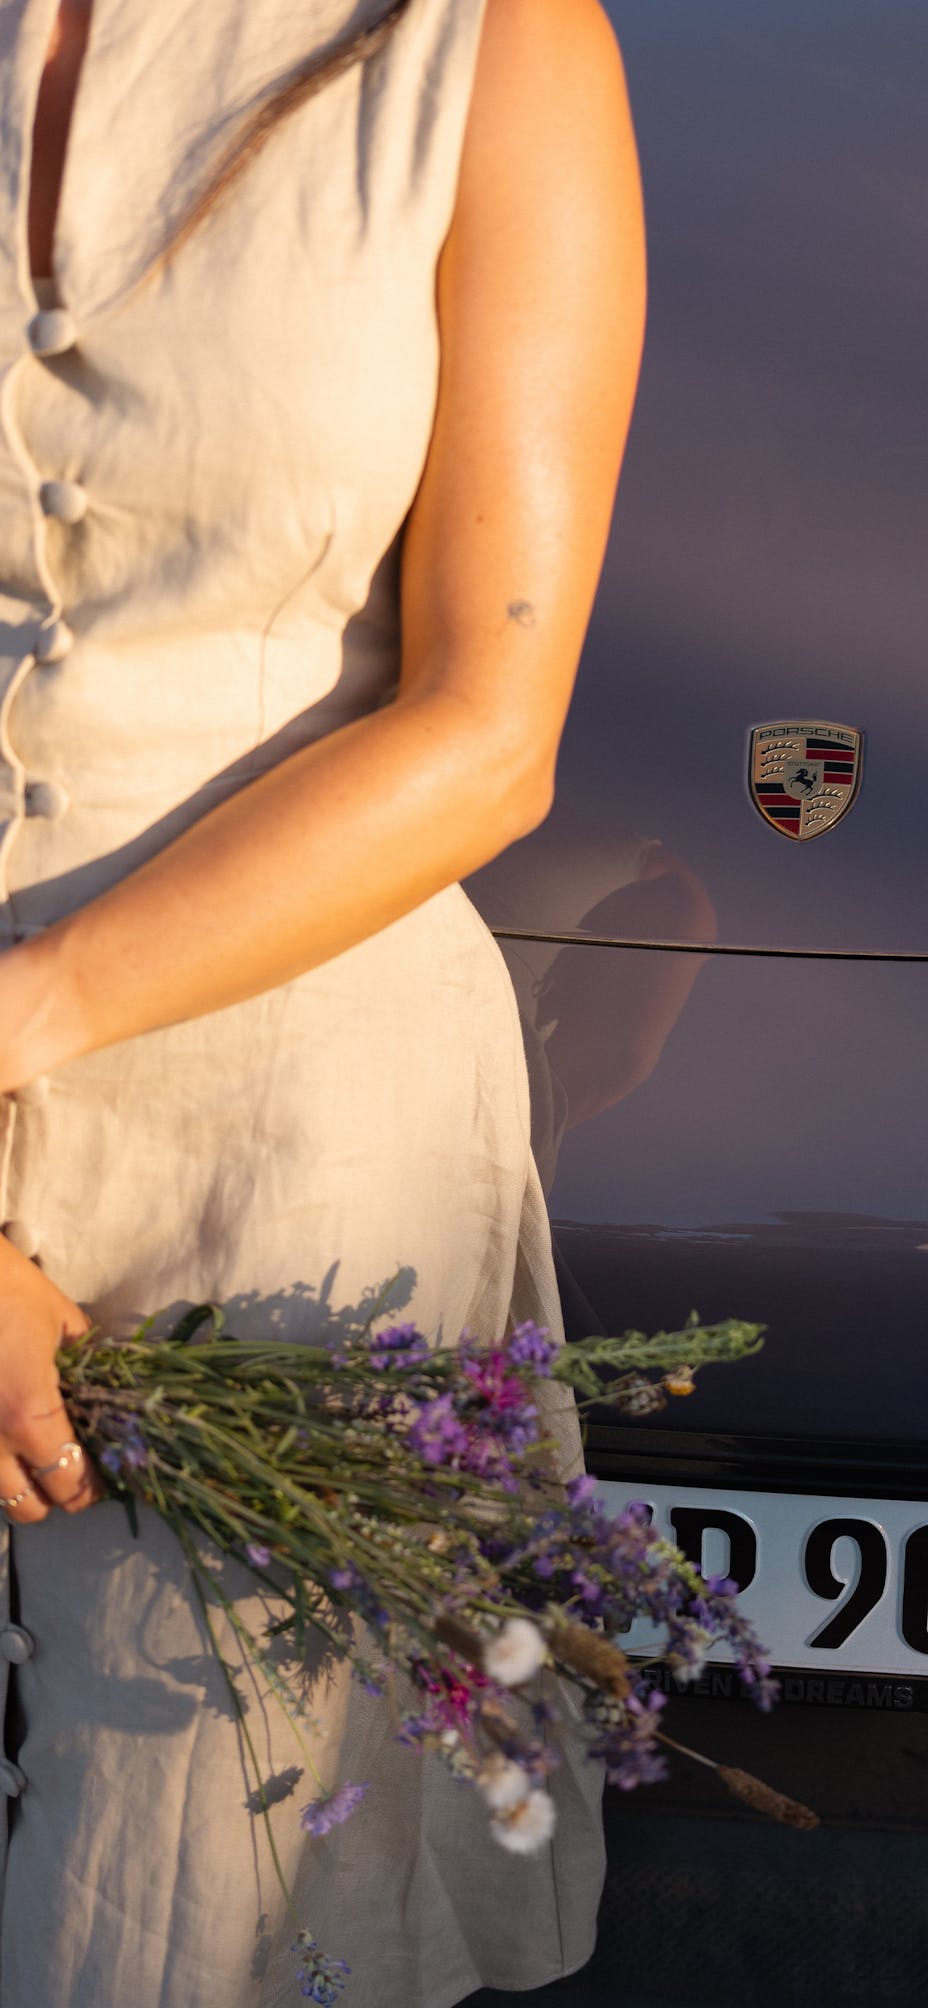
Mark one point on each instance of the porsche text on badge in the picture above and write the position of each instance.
(803, 778)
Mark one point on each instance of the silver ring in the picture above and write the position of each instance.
(18, 1497)
(68, 1454)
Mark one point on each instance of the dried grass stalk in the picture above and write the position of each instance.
(461, 1638)
(763, 1799)
(590, 1654)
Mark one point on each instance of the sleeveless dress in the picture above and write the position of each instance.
(203, 477)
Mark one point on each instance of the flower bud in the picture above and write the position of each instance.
(527, 1827)
(515, 1654)
(502, 1783)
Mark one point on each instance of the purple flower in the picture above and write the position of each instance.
(582, 1489)
(258, 1555)
(486, 1457)
(320, 1979)
(370, 1675)
(322, 1814)
(399, 1337)
(135, 1455)
(590, 1592)
(398, 1346)
(628, 1747)
(363, 1599)
(721, 1586)
(437, 1434)
(529, 1346)
(128, 1451)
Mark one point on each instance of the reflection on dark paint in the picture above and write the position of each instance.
(768, 552)
(592, 1034)
(843, 1299)
(771, 1163)
(785, 1087)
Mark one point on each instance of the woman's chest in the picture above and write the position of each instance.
(256, 409)
(54, 106)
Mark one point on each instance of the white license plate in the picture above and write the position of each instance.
(839, 1585)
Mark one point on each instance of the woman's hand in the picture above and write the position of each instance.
(38, 1456)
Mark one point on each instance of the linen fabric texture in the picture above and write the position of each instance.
(203, 476)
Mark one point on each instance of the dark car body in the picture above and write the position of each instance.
(725, 1028)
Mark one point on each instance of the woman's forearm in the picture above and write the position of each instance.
(328, 847)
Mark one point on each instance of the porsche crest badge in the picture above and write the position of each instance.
(804, 778)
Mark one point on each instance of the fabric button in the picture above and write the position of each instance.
(53, 642)
(22, 1235)
(51, 331)
(65, 500)
(16, 1645)
(12, 1779)
(46, 798)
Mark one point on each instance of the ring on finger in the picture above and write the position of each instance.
(16, 1498)
(70, 1453)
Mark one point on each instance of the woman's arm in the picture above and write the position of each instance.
(541, 298)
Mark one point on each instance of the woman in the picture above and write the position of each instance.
(319, 328)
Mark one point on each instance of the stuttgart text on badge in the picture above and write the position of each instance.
(803, 778)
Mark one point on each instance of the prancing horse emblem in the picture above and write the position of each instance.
(803, 778)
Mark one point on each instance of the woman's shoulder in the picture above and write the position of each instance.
(546, 68)
(537, 32)
(550, 125)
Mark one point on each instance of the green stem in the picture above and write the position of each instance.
(193, 1560)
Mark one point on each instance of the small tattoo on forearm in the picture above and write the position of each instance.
(521, 611)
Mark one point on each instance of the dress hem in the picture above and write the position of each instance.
(527, 1987)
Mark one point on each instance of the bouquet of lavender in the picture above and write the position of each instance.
(313, 1465)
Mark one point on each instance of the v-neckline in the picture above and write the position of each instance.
(48, 281)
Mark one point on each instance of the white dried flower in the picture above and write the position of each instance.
(517, 1651)
(527, 1827)
(502, 1782)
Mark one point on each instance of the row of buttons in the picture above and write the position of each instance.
(50, 332)
(16, 1646)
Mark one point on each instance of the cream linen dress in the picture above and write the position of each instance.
(203, 474)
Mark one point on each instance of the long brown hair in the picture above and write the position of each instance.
(310, 77)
